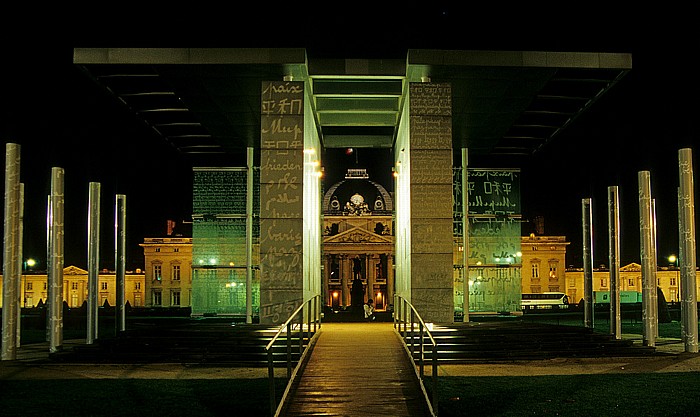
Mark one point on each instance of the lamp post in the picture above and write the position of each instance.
(673, 259)
(28, 263)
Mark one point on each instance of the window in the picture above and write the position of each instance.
(176, 298)
(535, 270)
(74, 286)
(552, 269)
(103, 285)
(176, 272)
(157, 298)
(44, 286)
(157, 272)
(137, 285)
(603, 282)
(630, 282)
(176, 249)
(672, 281)
(29, 286)
(157, 249)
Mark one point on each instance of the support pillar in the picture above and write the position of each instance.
(282, 200)
(430, 158)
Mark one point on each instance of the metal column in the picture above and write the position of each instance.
(686, 231)
(649, 320)
(20, 262)
(93, 234)
(10, 250)
(249, 240)
(120, 260)
(655, 268)
(586, 209)
(614, 258)
(55, 268)
(465, 234)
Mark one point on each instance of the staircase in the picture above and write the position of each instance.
(475, 342)
(192, 341)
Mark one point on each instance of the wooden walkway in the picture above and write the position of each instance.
(357, 369)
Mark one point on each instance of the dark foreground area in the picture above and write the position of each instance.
(643, 394)
(634, 394)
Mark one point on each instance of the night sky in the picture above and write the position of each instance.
(62, 119)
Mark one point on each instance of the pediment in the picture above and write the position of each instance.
(357, 235)
(633, 267)
(74, 270)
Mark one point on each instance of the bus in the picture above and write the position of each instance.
(547, 300)
(626, 297)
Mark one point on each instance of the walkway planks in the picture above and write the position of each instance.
(357, 369)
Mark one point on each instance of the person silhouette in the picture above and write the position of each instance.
(369, 310)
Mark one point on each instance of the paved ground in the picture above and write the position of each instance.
(32, 363)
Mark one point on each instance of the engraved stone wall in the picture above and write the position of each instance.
(431, 200)
(281, 200)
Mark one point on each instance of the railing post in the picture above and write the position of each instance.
(413, 334)
(420, 350)
(405, 319)
(301, 332)
(435, 377)
(289, 350)
(271, 378)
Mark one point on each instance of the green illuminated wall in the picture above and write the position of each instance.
(494, 239)
(219, 258)
(423, 230)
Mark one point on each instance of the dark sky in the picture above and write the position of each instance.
(61, 119)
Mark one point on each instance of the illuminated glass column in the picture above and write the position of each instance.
(494, 240)
(220, 249)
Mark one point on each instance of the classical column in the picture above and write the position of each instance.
(344, 274)
(390, 278)
(326, 276)
(372, 260)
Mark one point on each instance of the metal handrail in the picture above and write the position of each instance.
(401, 308)
(313, 304)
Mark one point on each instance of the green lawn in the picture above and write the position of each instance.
(634, 395)
(136, 397)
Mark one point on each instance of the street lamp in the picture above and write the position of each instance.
(673, 259)
(28, 263)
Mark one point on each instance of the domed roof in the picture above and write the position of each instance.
(357, 195)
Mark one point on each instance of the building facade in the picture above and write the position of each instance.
(75, 288)
(168, 271)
